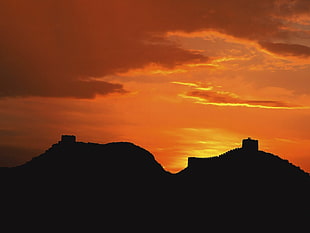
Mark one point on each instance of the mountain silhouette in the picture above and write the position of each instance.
(121, 185)
(90, 159)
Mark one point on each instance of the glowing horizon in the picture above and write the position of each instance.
(188, 78)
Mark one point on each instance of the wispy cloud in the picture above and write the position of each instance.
(210, 96)
(287, 49)
(195, 85)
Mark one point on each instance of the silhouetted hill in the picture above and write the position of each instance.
(121, 184)
(250, 181)
(113, 158)
(242, 164)
(72, 166)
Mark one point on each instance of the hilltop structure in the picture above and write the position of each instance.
(250, 145)
(75, 180)
(67, 139)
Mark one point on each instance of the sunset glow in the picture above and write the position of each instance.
(178, 78)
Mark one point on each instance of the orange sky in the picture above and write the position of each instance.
(179, 78)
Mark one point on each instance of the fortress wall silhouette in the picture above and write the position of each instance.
(116, 184)
(249, 146)
(68, 139)
(194, 162)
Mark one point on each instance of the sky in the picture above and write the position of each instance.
(179, 78)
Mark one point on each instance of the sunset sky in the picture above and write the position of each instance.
(179, 78)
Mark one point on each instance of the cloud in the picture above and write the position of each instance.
(53, 48)
(287, 49)
(16, 87)
(265, 20)
(229, 99)
(209, 96)
(49, 48)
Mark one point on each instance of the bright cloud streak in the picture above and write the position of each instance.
(208, 96)
(200, 100)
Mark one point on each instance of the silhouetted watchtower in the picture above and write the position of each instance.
(250, 145)
(68, 139)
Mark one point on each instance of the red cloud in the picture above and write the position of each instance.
(49, 47)
(287, 49)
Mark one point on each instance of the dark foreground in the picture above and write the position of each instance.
(120, 187)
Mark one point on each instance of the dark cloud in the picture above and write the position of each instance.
(49, 48)
(287, 49)
(58, 88)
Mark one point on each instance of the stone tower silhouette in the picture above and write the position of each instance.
(250, 145)
(68, 139)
